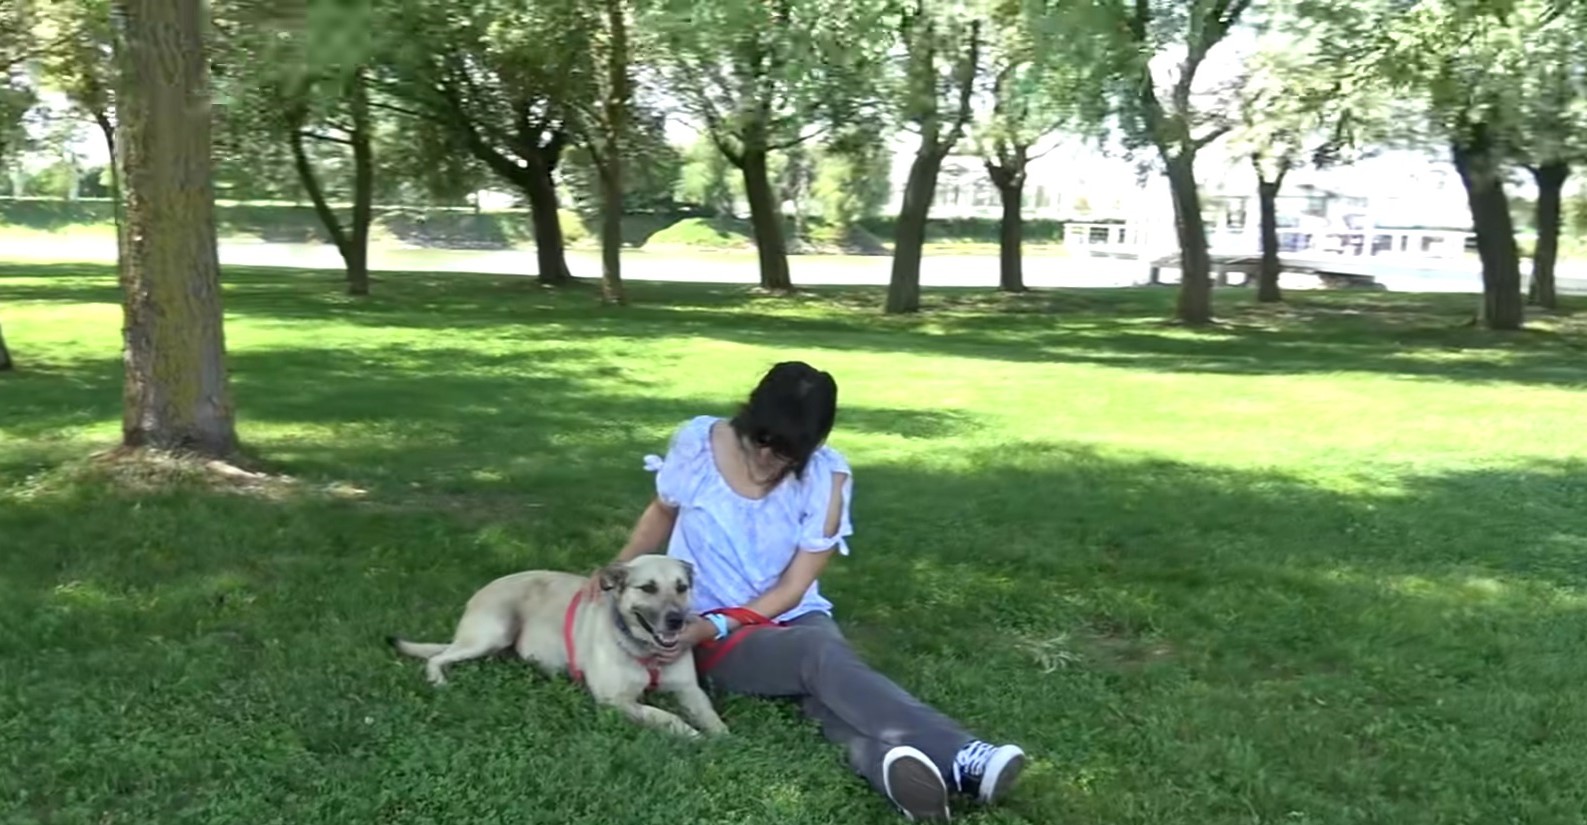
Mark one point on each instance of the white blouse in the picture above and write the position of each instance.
(739, 546)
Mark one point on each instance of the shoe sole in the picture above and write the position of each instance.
(916, 786)
(1003, 780)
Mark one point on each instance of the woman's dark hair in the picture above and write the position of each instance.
(791, 411)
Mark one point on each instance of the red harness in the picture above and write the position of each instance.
(567, 642)
(749, 622)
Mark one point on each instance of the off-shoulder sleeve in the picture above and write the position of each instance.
(825, 467)
(679, 474)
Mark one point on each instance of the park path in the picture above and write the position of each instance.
(937, 270)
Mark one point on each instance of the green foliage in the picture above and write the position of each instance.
(764, 76)
(853, 180)
(78, 60)
(706, 180)
(652, 168)
(1234, 618)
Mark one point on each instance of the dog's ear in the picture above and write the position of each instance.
(688, 571)
(614, 576)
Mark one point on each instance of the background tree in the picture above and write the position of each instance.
(763, 77)
(1462, 59)
(853, 181)
(1169, 114)
(16, 99)
(1039, 86)
(1549, 134)
(603, 105)
(177, 395)
(942, 44)
(298, 73)
(704, 181)
(1295, 106)
(499, 74)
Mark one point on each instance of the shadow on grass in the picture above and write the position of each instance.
(1411, 335)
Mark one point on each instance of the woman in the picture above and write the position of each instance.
(758, 504)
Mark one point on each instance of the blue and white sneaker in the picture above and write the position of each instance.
(914, 784)
(987, 772)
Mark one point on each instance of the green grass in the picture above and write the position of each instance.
(1322, 565)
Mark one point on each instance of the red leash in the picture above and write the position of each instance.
(749, 622)
(567, 642)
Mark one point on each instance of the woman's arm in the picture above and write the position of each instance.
(805, 568)
(650, 531)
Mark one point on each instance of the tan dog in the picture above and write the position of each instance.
(611, 640)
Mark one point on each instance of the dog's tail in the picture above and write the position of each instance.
(419, 650)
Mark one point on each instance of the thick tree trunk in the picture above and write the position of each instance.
(1483, 175)
(176, 395)
(1550, 182)
(5, 354)
(1267, 290)
(1195, 264)
(541, 191)
(765, 217)
(362, 138)
(909, 237)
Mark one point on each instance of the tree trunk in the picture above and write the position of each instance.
(541, 191)
(1008, 175)
(108, 129)
(1010, 236)
(362, 137)
(1550, 181)
(1267, 290)
(909, 236)
(765, 217)
(1483, 175)
(610, 167)
(176, 394)
(5, 354)
(1195, 264)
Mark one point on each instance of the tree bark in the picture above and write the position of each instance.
(610, 167)
(108, 129)
(176, 393)
(1550, 182)
(5, 354)
(765, 218)
(362, 137)
(541, 190)
(1267, 290)
(1482, 173)
(1195, 264)
(354, 245)
(909, 236)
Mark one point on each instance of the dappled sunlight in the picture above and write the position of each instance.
(1214, 562)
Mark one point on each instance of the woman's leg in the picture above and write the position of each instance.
(858, 708)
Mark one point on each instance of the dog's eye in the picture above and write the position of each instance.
(649, 587)
(683, 587)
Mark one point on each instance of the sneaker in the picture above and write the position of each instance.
(914, 784)
(987, 772)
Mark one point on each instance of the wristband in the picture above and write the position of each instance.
(721, 625)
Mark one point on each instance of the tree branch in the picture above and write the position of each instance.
(324, 138)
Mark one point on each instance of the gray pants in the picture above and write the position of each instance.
(858, 708)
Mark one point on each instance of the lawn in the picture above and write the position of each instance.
(1325, 564)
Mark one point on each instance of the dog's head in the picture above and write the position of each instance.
(652, 594)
